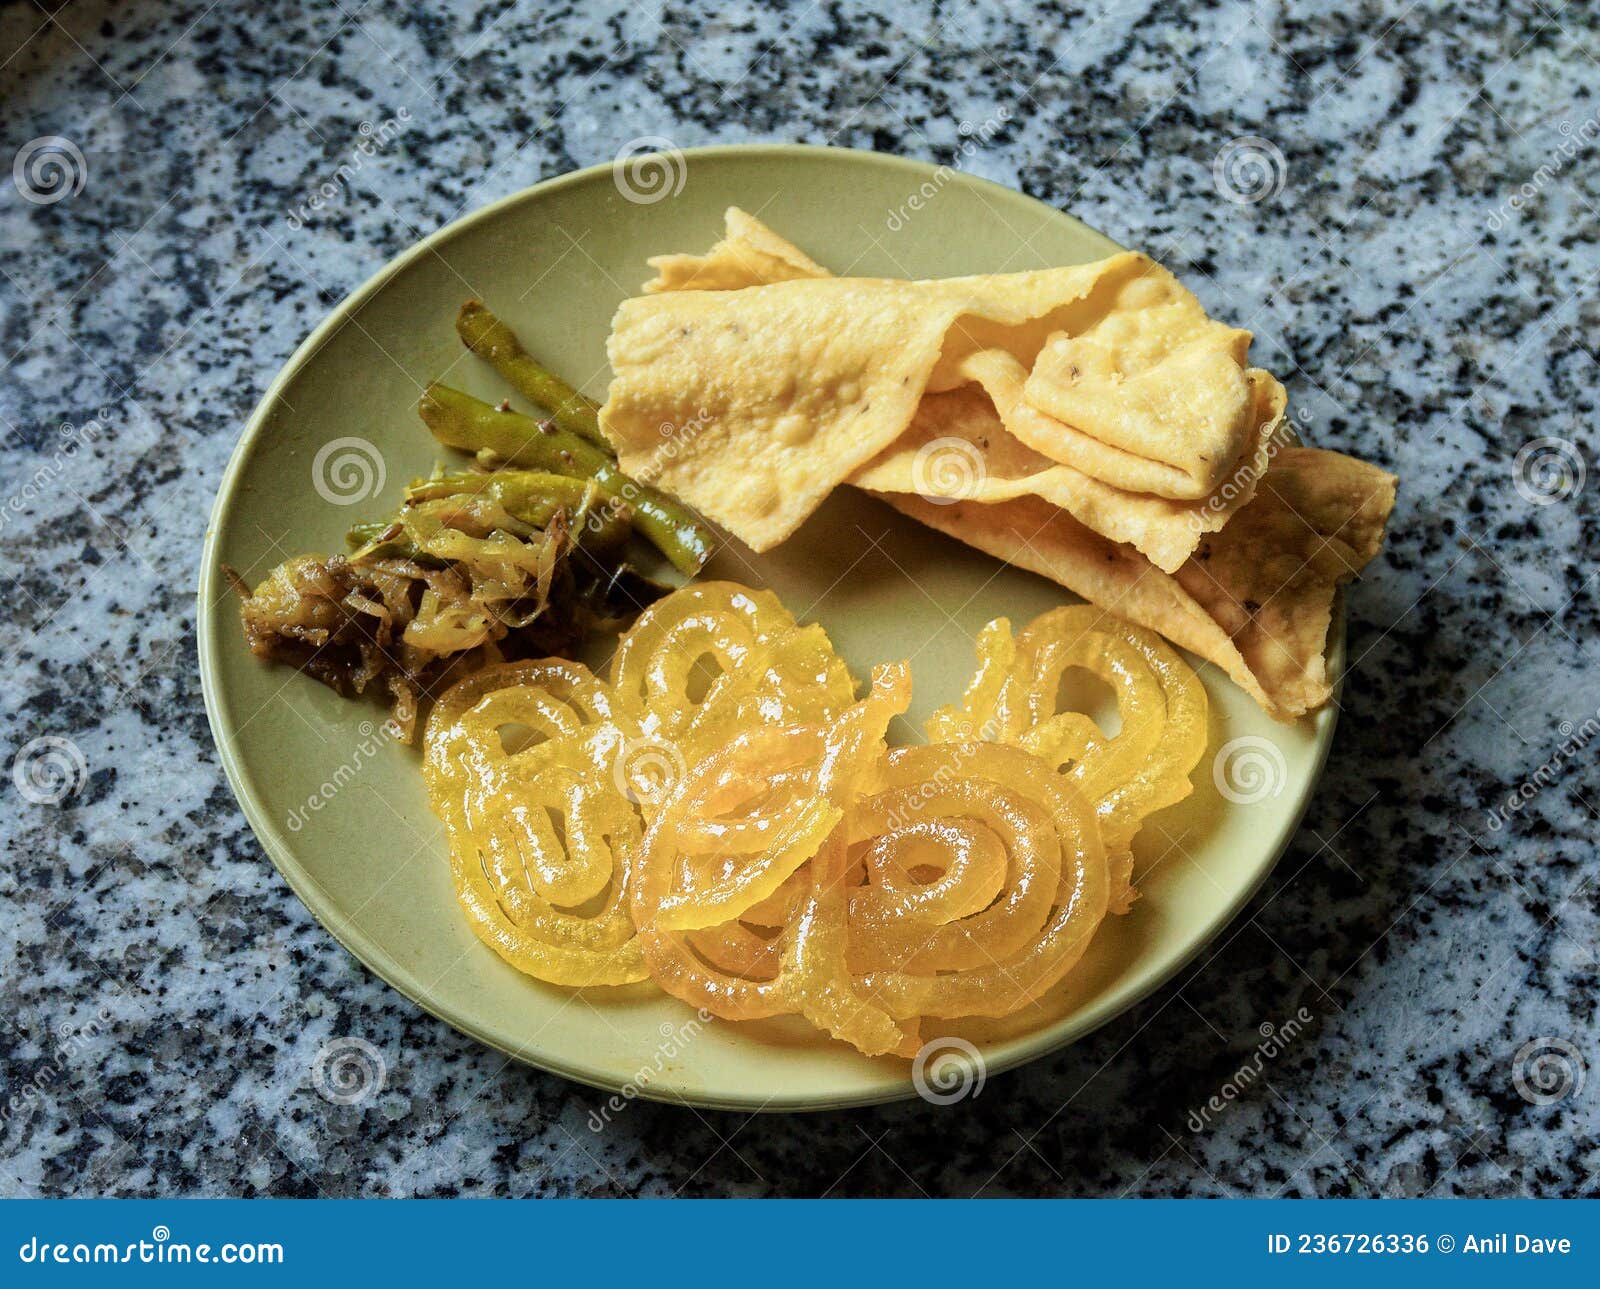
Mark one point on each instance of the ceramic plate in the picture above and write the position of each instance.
(341, 810)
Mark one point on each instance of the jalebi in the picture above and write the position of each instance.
(722, 871)
(1128, 776)
(604, 756)
(510, 749)
(716, 659)
(987, 881)
(726, 818)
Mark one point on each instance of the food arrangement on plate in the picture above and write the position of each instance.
(721, 814)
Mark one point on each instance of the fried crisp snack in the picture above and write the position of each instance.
(1248, 586)
(1152, 396)
(754, 405)
(749, 254)
(929, 458)
(1256, 598)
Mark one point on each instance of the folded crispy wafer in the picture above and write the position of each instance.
(1256, 598)
(1090, 424)
(811, 383)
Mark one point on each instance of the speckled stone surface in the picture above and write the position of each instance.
(1421, 263)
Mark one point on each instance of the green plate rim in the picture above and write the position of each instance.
(210, 636)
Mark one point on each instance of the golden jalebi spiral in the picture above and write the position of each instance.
(715, 659)
(967, 881)
(513, 749)
(741, 897)
(726, 818)
(984, 881)
(1130, 775)
(510, 751)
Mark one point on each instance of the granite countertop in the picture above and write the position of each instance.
(1414, 238)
